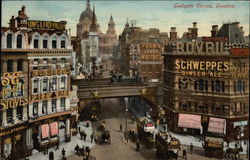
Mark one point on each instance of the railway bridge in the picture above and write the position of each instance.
(104, 88)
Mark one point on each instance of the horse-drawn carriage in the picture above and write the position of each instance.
(233, 152)
(213, 147)
(167, 146)
(105, 137)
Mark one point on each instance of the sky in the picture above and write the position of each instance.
(147, 14)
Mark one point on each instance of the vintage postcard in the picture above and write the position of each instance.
(124, 80)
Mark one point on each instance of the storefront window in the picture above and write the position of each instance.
(7, 147)
(45, 131)
(195, 85)
(234, 86)
(53, 129)
(206, 85)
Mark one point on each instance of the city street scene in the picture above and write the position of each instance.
(124, 80)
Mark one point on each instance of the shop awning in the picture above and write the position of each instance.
(216, 125)
(53, 129)
(45, 131)
(189, 121)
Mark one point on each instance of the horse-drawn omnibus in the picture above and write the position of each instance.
(213, 147)
(167, 146)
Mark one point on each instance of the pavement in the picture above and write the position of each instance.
(69, 147)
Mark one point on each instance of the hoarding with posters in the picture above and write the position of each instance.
(189, 121)
(216, 125)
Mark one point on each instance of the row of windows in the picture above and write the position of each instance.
(10, 116)
(49, 85)
(36, 41)
(45, 107)
(10, 65)
(45, 63)
(216, 86)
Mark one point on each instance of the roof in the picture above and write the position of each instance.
(232, 31)
(87, 13)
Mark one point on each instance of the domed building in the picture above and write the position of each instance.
(85, 21)
(85, 32)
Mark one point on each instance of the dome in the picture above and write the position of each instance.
(87, 13)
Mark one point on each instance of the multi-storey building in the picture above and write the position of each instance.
(41, 50)
(105, 41)
(206, 84)
(140, 51)
(14, 97)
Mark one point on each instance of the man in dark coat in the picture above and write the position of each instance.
(81, 134)
(91, 138)
(120, 127)
(137, 146)
(84, 136)
(77, 149)
(63, 152)
(191, 148)
(51, 155)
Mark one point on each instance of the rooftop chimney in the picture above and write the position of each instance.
(173, 34)
(12, 23)
(194, 24)
(241, 29)
(214, 30)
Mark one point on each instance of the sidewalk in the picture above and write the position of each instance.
(69, 147)
(187, 140)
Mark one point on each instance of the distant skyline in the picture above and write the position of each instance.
(147, 14)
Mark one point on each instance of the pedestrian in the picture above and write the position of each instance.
(77, 149)
(191, 148)
(91, 138)
(87, 124)
(81, 134)
(184, 154)
(83, 151)
(120, 128)
(26, 156)
(84, 136)
(51, 155)
(137, 146)
(57, 146)
(87, 150)
(63, 152)
(79, 129)
(45, 151)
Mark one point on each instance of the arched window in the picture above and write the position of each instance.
(19, 41)
(239, 86)
(45, 42)
(54, 42)
(201, 84)
(63, 42)
(217, 86)
(9, 40)
(36, 41)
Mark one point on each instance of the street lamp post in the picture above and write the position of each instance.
(126, 125)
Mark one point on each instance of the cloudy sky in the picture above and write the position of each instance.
(147, 14)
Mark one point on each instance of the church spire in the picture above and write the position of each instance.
(93, 26)
(88, 4)
(111, 26)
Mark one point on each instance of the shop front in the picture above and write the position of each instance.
(13, 140)
(50, 132)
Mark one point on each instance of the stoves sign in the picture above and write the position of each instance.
(11, 91)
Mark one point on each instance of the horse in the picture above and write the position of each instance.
(233, 152)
